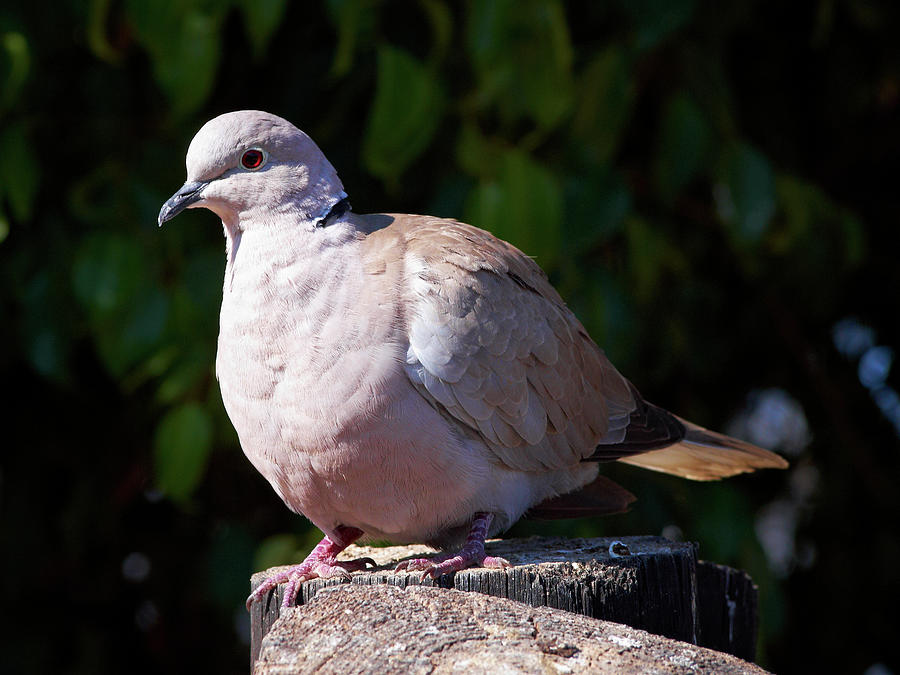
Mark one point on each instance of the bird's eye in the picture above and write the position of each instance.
(253, 159)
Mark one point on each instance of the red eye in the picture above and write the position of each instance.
(253, 159)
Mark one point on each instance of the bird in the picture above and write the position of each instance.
(409, 378)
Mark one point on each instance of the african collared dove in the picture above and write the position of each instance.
(409, 378)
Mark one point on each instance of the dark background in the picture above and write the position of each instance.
(711, 185)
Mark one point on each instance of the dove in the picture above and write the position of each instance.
(405, 377)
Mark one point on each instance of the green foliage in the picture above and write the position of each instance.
(263, 18)
(684, 146)
(19, 172)
(522, 204)
(405, 113)
(352, 20)
(654, 20)
(607, 94)
(15, 61)
(745, 193)
(176, 33)
(596, 206)
(182, 445)
(522, 56)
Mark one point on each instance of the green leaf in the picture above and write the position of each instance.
(441, 20)
(47, 335)
(108, 270)
(192, 367)
(854, 238)
(596, 206)
(522, 55)
(650, 255)
(607, 310)
(745, 193)
(177, 33)
(262, 17)
(181, 450)
(353, 20)
(523, 205)
(98, 17)
(807, 213)
(16, 64)
(407, 110)
(476, 154)
(129, 336)
(607, 96)
(279, 549)
(656, 19)
(19, 175)
(684, 145)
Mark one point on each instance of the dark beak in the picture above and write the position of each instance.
(186, 195)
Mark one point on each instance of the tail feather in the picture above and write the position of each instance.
(706, 455)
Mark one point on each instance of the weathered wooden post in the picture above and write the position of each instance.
(648, 583)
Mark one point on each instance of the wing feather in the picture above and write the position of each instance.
(493, 344)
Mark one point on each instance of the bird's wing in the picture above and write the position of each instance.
(493, 346)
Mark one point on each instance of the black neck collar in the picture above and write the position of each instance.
(339, 209)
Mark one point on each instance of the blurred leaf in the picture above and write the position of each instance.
(47, 334)
(799, 200)
(98, 16)
(523, 205)
(100, 195)
(727, 518)
(279, 549)
(182, 445)
(107, 272)
(263, 18)
(522, 55)
(649, 256)
(808, 212)
(745, 193)
(605, 307)
(132, 333)
(441, 20)
(684, 145)
(596, 205)
(16, 64)
(655, 19)
(854, 238)
(406, 112)
(128, 312)
(350, 18)
(606, 97)
(176, 33)
(710, 85)
(19, 169)
(477, 155)
(184, 376)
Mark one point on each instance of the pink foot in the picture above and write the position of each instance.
(320, 563)
(471, 555)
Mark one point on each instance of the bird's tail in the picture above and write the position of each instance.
(706, 455)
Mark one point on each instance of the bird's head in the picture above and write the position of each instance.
(250, 167)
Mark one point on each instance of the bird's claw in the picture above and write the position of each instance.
(445, 564)
(307, 570)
